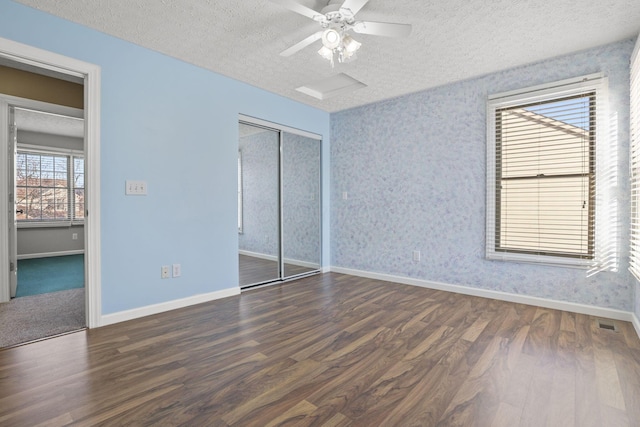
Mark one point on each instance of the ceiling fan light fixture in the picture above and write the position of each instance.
(338, 19)
(326, 53)
(350, 45)
(331, 38)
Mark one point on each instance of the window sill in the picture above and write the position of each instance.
(50, 224)
(545, 260)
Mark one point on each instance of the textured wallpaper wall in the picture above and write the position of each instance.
(260, 176)
(301, 196)
(413, 170)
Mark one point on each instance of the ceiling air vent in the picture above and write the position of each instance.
(339, 84)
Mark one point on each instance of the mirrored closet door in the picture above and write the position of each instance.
(300, 204)
(278, 203)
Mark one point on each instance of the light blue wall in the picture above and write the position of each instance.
(175, 126)
(414, 169)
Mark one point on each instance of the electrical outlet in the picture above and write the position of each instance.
(136, 188)
(176, 270)
(416, 256)
(74, 236)
(165, 272)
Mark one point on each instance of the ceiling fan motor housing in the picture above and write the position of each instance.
(335, 14)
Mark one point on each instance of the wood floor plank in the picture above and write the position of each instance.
(332, 350)
(506, 416)
(607, 381)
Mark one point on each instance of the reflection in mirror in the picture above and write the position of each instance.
(259, 236)
(300, 204)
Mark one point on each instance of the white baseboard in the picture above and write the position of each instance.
(51, 254)
(259, 255)
(122, 316)
(275, 258)
(591, 310)
(299, 263)
(636, 323)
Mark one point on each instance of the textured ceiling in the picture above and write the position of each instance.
(451, 40)
(36, 121)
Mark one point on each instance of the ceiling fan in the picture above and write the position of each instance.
(337, 19)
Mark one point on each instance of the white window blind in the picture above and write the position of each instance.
(541, 175)
(634, 256)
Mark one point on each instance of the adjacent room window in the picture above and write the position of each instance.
(635, 164)
(542, 173)
(49, 187)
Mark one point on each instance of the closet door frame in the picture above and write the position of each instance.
(282, 129)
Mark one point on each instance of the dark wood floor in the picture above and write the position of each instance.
(332, 350)
(255, 270)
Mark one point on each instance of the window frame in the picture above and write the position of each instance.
(240, 195)
(634, 162)
(70, 155)
(595, 83)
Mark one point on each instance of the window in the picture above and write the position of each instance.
(634, 259)
(78, 188)
(542, 174)
(49, 187)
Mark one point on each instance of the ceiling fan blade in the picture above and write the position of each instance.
(382, 29)
(302, 44)
(298, 8)
(354, 5)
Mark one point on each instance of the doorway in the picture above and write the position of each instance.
(46, 233)
(279, 224)
(23, 57)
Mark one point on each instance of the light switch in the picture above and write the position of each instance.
(136, 188)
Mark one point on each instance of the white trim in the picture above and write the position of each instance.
(258, 255)
(291, 261)
(93, 257)
(277, 126)
(548, 92)
(26, 54)
(46, 149)
(636, 323)
(5, 285)
(50, 224)
(123, 316)
(634, 160)
(573, 307)
(544, 88)
(300, 263)
(41, 106)
(51, 254)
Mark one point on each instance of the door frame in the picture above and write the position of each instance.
(7, 103)
(282, 129)
(90, 73)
